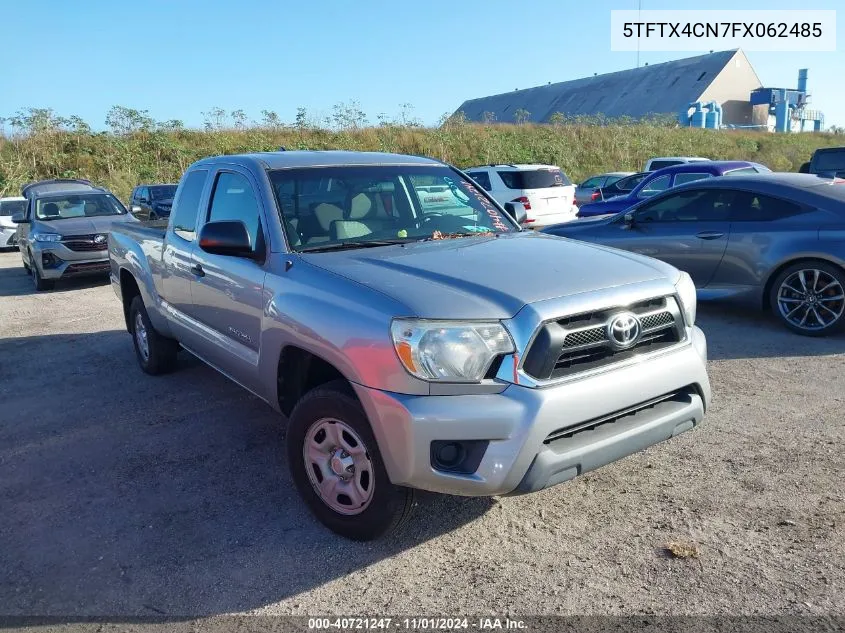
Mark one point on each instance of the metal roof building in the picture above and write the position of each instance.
(725, 77)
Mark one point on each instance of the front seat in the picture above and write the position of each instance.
(50, 210)
(326, 214)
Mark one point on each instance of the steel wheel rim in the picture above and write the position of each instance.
(141, 337)
(811, 299)
(339, 466)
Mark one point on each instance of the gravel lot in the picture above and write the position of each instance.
(126, 495)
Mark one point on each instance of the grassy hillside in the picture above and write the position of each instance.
(158, 155)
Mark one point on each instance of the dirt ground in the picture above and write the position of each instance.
(126, 495)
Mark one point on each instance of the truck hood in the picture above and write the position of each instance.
(83, 226)
(486, 277)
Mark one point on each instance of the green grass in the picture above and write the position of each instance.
(121, 161)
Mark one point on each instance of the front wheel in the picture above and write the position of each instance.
(156, 353)
(38, 281)
(809, 298)
(337, 467)
(153, 216)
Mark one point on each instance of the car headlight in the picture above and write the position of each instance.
(47, 237)
(686, 294)
(449, 351)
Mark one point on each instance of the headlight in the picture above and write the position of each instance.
(47, 237)
(686, 293)
(449, 351)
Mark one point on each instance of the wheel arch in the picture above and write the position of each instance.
(300, 370)
(777, 270)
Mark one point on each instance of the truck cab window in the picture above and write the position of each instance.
(185, 208)
(234, 199)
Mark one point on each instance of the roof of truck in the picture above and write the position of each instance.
(319, 158)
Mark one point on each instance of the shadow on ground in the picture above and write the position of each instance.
(17, 282)
(129, 495)
(735, 332)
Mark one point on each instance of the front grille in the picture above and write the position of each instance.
(85, 242)
(681, 396)
(582, 342)
(87, 267)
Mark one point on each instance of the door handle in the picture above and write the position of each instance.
(709, 235)
(197, 270)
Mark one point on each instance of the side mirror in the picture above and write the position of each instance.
(20, 218)
(628, 220)
(135, 209)
(517, 212)
(226, 237)
(804, 168)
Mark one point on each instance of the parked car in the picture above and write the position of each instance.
(826, 161)
(654, 164)
(621, 186)
(9, 207)
(408, 346)
(64, 230)
(152, 202)
(544, 190)
(770, 241)
(667, 178)
(589, 189)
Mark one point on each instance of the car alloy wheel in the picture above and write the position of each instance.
(811, 299)
(339, 466)
(141, 337)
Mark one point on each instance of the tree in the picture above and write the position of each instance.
(489, 117)
(239, 119)
(558, 118)
(123, 120)
(213, 119)
(521, 115)
(270, 120)
(349, 116)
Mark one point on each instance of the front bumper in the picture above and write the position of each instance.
(518, 421)
(68, 263)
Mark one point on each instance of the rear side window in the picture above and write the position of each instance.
(534, 179)
(660, 164)
(234, 199)
(595, 181)
(482, 178)
(754, 207)
(682, 178)
(745, 171)
(186, 206)
(629, 182)
(655, 186)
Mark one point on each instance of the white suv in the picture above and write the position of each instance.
(544, 190)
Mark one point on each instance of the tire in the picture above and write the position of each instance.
(38, 281)
(156, 354)
(25, 266)
(809, 298)
(153, 216)
(328, 409)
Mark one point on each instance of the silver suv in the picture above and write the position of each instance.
(64, 230)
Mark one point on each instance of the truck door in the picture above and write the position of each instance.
(227, 291)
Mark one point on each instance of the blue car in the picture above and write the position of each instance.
(669, 177)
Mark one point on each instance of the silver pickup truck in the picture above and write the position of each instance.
(410, 345)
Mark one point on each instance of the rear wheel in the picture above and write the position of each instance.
(809, 298)
(337, 467)
(156, 353)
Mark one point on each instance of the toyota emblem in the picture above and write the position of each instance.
(624, 330)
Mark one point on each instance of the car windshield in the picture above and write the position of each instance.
(830, 160)
(162, 192)
(78, 206)
(327, 208)
(12, 207)
(534, 178)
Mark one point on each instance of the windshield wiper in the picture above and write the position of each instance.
(353, 244)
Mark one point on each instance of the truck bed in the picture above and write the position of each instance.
(145, 230)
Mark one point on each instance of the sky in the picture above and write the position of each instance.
(181, 58)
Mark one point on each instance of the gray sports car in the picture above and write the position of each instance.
(770, 240)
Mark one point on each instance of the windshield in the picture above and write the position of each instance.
(534, 179)
(327, 207)
(162, 192)
(12, 207)
(78, 206)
